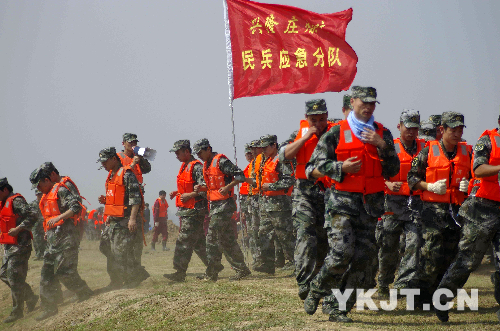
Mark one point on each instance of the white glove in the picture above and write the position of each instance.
(438, 187)
(464, 185)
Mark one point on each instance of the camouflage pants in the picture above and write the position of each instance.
(221, 239)
(439, 248)
(275, 225)
(191, 238)
(39, 242)
(13, 273)
(477, 234)
(60, 266)
(388, 254)
(311, 246)
(352, 253)
(105, 248)
(253, 224)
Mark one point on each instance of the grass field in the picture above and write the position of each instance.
(260, 302)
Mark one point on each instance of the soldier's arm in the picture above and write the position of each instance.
(285, 178)
(416, 175)
(144, 165)
(388, 155)
(198, 178)
(323, 160)
(27, 214)
(481, 166)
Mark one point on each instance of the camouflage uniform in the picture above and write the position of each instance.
(275, 217)
(440, 229)
(191, 237)
(350, 221)
(253, 222)
(39, 242)
(221, 236)
(401, 216)
(15, 259)
(118, 244)
(60, 261)
(427, 130)
(480, 229)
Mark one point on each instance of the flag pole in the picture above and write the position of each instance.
(230, 82)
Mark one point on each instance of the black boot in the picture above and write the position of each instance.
(164, 244)
(153, 246)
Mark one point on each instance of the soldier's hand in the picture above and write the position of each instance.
(351, 166)
(135, 160)
(14, 231)
(53, 221)
(172, 194)
(265, 186)
(186, 196)
(438, 187)
(197, 188)
(310, 132)
(372, 137)
(464, 185)
(394, 186)
(224, 190)
(102, 199)
(132, 226)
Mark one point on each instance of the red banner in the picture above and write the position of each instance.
(282, 49)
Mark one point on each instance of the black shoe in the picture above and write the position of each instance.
(383, 292)
(31, 303)
(46, 314)
(495, 280)
(311, 303)
(177, 276)
(303, 292)
(85, 295)
(13, 317)
(442, 315)
(207, 278)
(340, 317)
(241, 274)
(264, 269)
(328, 308)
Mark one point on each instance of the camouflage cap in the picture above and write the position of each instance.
(37, 175)
(48, 167)
(427, 130)
(293, 136)
(316, 107)
(366, 94)
(106, 153)
(255, 143)
(200, 144)
(436, 119)
(346, 101)
(410, 118)
(452, 119)
(180, 144)
(247, 148)
(3, 182)
(334, 120)
(129, 137)
(268, 140)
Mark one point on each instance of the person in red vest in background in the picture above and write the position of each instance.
(160, 218)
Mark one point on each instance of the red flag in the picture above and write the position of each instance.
(281, 49)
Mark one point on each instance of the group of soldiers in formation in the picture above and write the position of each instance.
(337, 202)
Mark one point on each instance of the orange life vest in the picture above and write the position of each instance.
(214, 178)
(91, 214)
(244, 186)
(185, 184)
(257, 165)
(126, 161)
(489, 187)
(270, 175)
(83, 212)
(8, 220)
(115, 193)
(306, 151)
(405, 166)
(163, 208)
(439, 167)
(369, 179)
(50, 208)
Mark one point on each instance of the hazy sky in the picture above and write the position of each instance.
(76, 75)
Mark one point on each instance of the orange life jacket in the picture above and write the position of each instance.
(489, 187)
(83, 212)
(214, 178)
(244, 186)
(126, 161)
(185, 184)
(270, 175)
(439, 167)
(306, 151)
(115, 193)
(257, 165)
(8, 220)
(91, 214)
(405, 166)
(163, 208)
(50, 208)
(369, 179)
